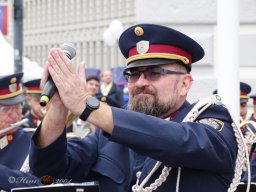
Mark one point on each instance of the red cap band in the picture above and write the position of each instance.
(163, 49)
(7, 90)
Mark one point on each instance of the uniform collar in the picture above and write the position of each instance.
(6, 140)
(173, 115)
(34, 120)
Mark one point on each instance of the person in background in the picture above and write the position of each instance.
(248, 129)
(253, 115)
(253, 165)
(149, 140)
(109, 91)
(82, 127)
(245, 89)
(93, 85)
(253, 147)
(33, 94)
(14, 140)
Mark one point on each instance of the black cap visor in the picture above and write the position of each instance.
(243, 100)
(155, 62)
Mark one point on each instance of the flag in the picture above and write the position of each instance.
(3, 18)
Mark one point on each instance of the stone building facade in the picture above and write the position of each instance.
(48, 23)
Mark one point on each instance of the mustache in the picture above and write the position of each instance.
(143, 90)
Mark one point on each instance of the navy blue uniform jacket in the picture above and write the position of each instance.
(253, 169)
(253, 166)
(114, 98)
(32, 121)
(12, 158)
(207, 156)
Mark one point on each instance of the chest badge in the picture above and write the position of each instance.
(215, 123)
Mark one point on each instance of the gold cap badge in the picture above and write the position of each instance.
(13, 80)
(138, 31)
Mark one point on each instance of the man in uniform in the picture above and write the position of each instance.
(199, 156)
(253, 148)
(109, 92)
(33, 94)
(15, 141)
(253, 116)
(245, 89)
(253, 166)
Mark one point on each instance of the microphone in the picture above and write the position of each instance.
(50, 88)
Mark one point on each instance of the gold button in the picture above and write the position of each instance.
(13, 80)
(103, 99)
(9, 137)
(138, 31)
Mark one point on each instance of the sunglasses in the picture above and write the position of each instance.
(151, 74)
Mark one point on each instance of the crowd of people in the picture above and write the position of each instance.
(158, 142)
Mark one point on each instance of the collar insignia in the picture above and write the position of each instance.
(3, 142)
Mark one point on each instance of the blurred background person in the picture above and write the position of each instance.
(32, 71)
(11, 100)
(245, 89)
(79, 127)
(14, 140)
(247, 128)
(109, 92)
(253, 115)
(252, 126)
(253, 147)
(93, 85)
(33, 94)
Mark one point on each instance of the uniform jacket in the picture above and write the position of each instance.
(252, 117)
(32, 120)
(114, 97)
(12, 158)
(253, 167)
(207, 156)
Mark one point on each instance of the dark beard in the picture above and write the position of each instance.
(148, 105)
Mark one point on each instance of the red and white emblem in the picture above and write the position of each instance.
(13, 87)
(142, 47)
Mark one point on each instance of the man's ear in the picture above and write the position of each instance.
(186, 84)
